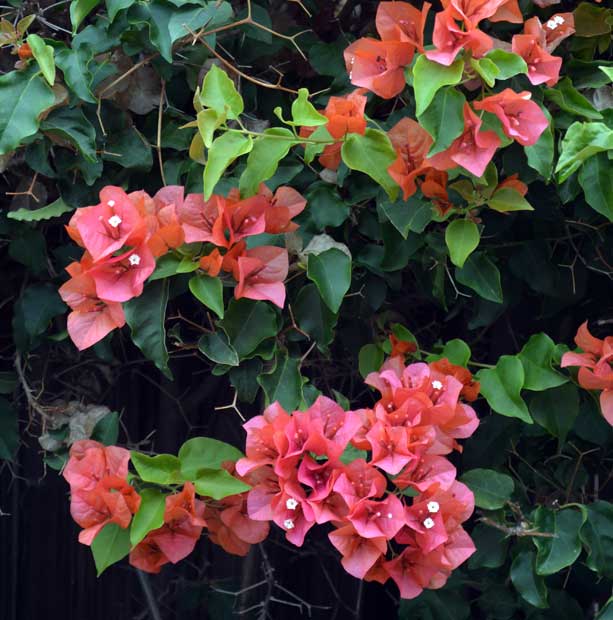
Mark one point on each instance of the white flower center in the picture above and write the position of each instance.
(111, 203)
(114, 221)
(437, 385)
(134, 260)
(433, 507)
(428, 523)
(288, 524)
(291, 504)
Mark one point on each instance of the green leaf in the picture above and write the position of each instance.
(597, 536)
(106, 430)
(554, 554)
(159, 469)
(218, 483)
(596, 179)
(113, 7)
(481, 275)
(507, 199)
(429, 77)
(556, 409)
(72, 125)
(205, 453)
(208, 291)
(492, 490)
(531, 586)
(540, 155)
(536, 358)
(284, 383)
(150, 515)
(129, 149)
(24, 96)
(304, 113)
(492, 546)
(410, 216)
(208, 123)
(569, 99)
(110, 545)
(9, 431)
(582, 141)
(263, 161)
(216, 347)
(444, 118)
(435, 605)
(146, 315)
(350, 454)
(247, 323)
(224, 150)
(313, 315)
(508, 63)
(371, 153)
(457, 352)
(502, 386)
(43, 55)
(219, 93)
(370, 359)
(486, 69)
(55, 209)
(79, 10)
(462, 238)
(325, 206)
(331, 273)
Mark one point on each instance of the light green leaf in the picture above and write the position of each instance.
(508, 63)
(159, 469)
(462, 238)
(268, 150)
(429, 77)
(536, 358)
(224, 150)
(531, 586)
(457, 352)
(219, 93)
(487, 69)
(216, 347)
(492, 490)
(304, 113)
(218, 483)
(208, 122)
(507, 199)
(371, 153)
(208, 291)
(205, 453)
(502, 386)
(331, 273)
(481, 275)
(55, 209)
(570, 100)
(444, 118)
(284, 383)
(43, 55)
(150, 515)
(146, 315)
(25, 95)
(79, 10)
(110, 545)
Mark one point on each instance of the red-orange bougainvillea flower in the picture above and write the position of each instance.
(412, 144)
(595, 367)
(378, 65)
(434, 186)
(401, 21)
(473, 150)
(260, 273)
(470, 389)
(557, 28)
(401, 347)
(522, 119)
(285, 204)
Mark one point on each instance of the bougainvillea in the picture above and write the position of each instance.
(340, 231)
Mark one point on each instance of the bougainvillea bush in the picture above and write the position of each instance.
(378, 236)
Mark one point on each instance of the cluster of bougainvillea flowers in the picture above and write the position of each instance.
(595, 370)
(379, 66)
(397, 509)
(124, 234)
(100, 494)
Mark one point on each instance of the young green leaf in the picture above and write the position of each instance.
(110, 545)
(304, 113)
(43, 54)
(159, 469)
(55, 209)
(444, 118)
(150, 515)
(208, 291)
(219, 93)
(508, 63)
(224, 150)
(331, 273)
(507, 199)
(462, 238)
(429, 77)
(205, 453)
(218, 483)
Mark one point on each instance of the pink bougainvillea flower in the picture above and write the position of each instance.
(401, 21)
(112, 500)
(449, 39)
(241, 219)
(378, 65)
(202, 220)
(285, 204)
(522, 119)
(147, 555)
(260, 274)
(473, 150)
(549, 35)
(411, 572)
(412, 144)
(122, 277)
(390, 451)
(471, 12)
(429, 470)
(109, 226)
(595, 367)
(345, 115)
(359, 554)
(359, 480)
(470, 389)
(542, 66)
(372, 518)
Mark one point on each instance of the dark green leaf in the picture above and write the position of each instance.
(481, 275)
(216, 347)
(79, 10)
(208, 291)
(444, 118)
(410, 216)
(106, 430)
(247, 323)
(284, 383)
(313, 315)
(569, 99)
(596, 179)
(370, 359)
(597, 536)
(531, 586)
(536, 358)
(72, 125)
(492, 490)
(331, 273)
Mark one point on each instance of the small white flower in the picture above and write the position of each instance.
(111, 203)
(288, 524)
(437, 385)
(433, 507)
(389, 515)
(291, 504)
(552, 24)
(428, 523)
(114, 221)
(134, 260)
